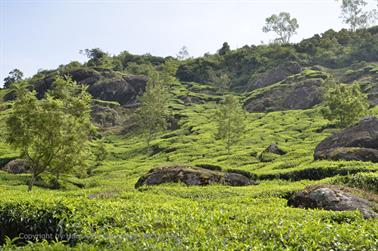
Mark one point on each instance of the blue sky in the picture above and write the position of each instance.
(44, 34)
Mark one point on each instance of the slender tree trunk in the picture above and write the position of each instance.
(31, 182)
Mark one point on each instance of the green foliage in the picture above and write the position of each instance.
(230, 122)
(103, 211)
(51, 133)
(97, 57)
(172, 217)
(225, 49)
(183, 53)
(354, 14)
(14, 76)
(100, 154)
(344, 104)
(283, 25)
(153, 112)
(366, 181)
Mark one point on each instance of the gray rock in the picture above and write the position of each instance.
(275, 75)
(102, 84)
(301, 91)
(331, 198)
(16, 166)
(359, 142)
(192, 176)
(124, 90)
(273, 148)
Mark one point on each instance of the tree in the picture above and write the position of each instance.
(153, 112)
(52, 133)
(13, 77)
(221, 80)
(230, 119)
(225, 49)
(344, 104)
(183, 53)
(284, 26)
(97, 57)
(354, 14)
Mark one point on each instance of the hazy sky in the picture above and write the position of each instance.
(44, 34)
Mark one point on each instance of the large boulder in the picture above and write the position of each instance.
(16, 166)
(273, 148)
(192, 176)
(301, 91)
(275, 75)
(102, 84)
(124, 90)
(359, 142)
(331, 198)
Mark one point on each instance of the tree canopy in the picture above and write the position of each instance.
(52, 133)
(344, 104)
(283, 25)
(230, 122)
(13, 77)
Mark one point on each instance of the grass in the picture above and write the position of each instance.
(109, 214)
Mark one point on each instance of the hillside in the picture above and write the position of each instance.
(279, 85)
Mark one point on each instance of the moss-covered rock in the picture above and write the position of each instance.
(359, 142)
(331, 198)
(301, 91)
(190, 175)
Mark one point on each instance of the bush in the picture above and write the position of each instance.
(366, 181)
(33, 218)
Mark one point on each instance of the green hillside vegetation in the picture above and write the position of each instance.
(101, 209)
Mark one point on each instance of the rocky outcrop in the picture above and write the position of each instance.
(331, 198)
(191, 176)
(301, 91)
(124, 90)
(275, 75)
(102, 84)
(273, 148)
(16, 166)
(359, 142)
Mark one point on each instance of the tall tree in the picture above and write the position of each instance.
(13, 77)
(97, 57)
(230, 119)
(344, 104)
(153, 112)
(283, 25)
(183, 53)
(353, 13)
(52, 133)
(225, 49)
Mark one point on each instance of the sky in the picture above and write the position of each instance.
(42, 34)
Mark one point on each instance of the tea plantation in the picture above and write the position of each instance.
(106, 212)
(281, 88)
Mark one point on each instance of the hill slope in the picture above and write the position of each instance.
(105, 212)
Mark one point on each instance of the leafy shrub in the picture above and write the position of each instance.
(32, 218)
(366, 181)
